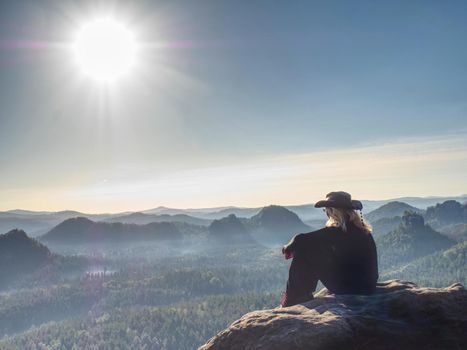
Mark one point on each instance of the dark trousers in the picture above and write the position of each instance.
(303, 279)
(304, 273)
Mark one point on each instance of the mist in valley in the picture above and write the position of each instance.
(84, 277)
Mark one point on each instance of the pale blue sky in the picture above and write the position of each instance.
(229, 84)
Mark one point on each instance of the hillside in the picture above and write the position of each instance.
(83, 230)
(438, 269)
(390, 210)
(411, 240)
(229, 230)
(456, 232)
(38, 223)
(19, 255)
(446, 213)
(275, 225)
(31, 224)
(385, 225)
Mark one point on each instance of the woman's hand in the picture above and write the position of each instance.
(289, 248)
(287, 253)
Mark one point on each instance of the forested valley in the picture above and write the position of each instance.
(87, 284)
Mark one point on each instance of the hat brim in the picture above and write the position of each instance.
(356, 205)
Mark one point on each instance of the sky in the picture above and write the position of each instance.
(244, 103)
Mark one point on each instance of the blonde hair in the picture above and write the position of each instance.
(339, 217)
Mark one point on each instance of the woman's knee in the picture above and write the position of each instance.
(294, 243)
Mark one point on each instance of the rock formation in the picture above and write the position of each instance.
(399, 315)
(411, 240)
(229, 230)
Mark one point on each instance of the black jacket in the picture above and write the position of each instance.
(346, 261)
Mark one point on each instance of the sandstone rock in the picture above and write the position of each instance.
(400, 315)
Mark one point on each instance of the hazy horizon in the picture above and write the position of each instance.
(132, 210)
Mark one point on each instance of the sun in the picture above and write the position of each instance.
(105, 49)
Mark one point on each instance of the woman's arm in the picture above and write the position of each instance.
(301, 239)
(290, 247)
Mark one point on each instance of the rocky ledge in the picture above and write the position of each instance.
(399, 315)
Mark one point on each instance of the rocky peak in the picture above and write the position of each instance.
(229, 229)
(413, 220)
(229, 223)
(448, 212)
(15, 234)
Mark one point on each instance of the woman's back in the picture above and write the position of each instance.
(349, 261)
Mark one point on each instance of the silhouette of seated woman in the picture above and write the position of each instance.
(341, 255)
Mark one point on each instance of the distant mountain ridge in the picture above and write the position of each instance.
(143, 219)
(273, 224)
(390, 210)
(308, 208)
(83, 230)
(40, 222)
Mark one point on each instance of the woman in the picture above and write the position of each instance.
(342, 255)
